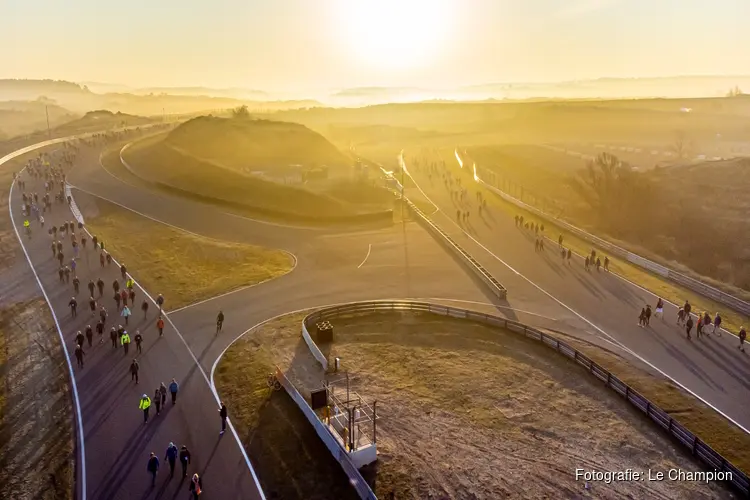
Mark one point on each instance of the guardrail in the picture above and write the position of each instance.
(339, 453)
(699, 449)
(693, 284)
(483, 274)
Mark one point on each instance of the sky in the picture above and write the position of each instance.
(287, 45)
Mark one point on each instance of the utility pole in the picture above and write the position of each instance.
(46, 112)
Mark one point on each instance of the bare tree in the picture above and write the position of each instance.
(680, 145)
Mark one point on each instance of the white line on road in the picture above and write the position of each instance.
(197, 364)
(583, 318)
(76, 400)
(369, 249)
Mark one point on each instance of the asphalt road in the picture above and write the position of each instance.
(400, 261)
(334, 266)
(604, 305)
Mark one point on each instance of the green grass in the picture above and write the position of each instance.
(657, 285)
(181, 266)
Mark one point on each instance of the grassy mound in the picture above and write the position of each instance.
(242, 143)
(182, 163)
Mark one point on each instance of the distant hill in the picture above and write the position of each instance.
(148, 102)
(248, 143)
(101, 120)
(24, 117)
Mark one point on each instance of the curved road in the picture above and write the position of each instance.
(402, 261)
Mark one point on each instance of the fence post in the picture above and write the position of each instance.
(609, 378)
(627, 392)
(695, 443)
(575, 356)
(671, 421)
(648, 407)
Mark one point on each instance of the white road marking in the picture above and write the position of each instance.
(74, 385)
(369, 249)
(597, 328)
(197, 364)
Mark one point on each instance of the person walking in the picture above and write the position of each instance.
(125, 313)
(717, 324)
(113, 336)
(103, 314)
(144, 308)
(153, 465)
(117, 300)
(100, 286)
(79, 355)
(196, 486)
(76, 285)
(123, 271)
(91, 286)
(184, 459)
(124, 296)
(144, 405)
(160, 302)
(100, 331)
(101, 260)
(173, 388)
(163, 393)
(131, 296)
(157, 401)
(138, 340)
(92, 306)
(73, 304)
(171, 457)
(66, 270)
(116, 286)
(61, 274)
(742, 335)
(223, 416)
(89, 334)
(134, 369)
(219, 321)
(160, 326)
(125, 340)
(689, 326)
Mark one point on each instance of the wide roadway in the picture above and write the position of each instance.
(400, 261)
(712, 368)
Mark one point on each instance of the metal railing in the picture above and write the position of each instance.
(334, 446)
(693, 284)
(699, 449)
(475, 267)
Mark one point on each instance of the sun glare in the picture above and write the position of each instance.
(395, 34)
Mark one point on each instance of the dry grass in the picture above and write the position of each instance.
(290, 459)
(184, 267)
(460, 402)
(36, 425)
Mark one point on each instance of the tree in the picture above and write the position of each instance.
(241, 112)
(680, 145)
(615, 192)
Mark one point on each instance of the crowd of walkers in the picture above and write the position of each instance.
(70, 247)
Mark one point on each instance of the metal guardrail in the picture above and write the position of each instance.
(334, 446)
(483, 274)
(699, 449)
(693, 284)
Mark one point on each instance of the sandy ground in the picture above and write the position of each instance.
(473, 412)
(36, 419)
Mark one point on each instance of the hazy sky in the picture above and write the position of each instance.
(325, 44)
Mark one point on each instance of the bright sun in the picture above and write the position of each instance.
(395, 34)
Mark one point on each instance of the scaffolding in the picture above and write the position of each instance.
(352, 420)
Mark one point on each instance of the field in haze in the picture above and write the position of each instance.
(693, 215)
